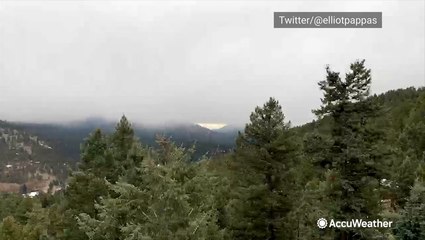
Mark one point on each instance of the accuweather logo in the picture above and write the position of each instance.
(353, 223)
(322, 223)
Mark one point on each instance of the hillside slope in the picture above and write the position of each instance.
(26, 159)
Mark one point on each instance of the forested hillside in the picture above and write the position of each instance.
(28, 162)
(38, 157)
(363, 158)
(67, 138)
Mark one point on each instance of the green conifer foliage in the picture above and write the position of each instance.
(168, 201)
(265, 154)
(353, 152)
(10, 229)
(412, 223)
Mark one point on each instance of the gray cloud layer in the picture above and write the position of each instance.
(190, 61)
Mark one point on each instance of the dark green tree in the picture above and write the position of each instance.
(10, 229)
(412, 223)
(264, 155)
(93, 154)
(125, 152)
(169, 201)
(353, 154)
(86, 185)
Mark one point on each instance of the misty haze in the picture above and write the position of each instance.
(128, 120)
(204, 62)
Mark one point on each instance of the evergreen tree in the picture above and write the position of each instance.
(10, 229)
(24, 206)
(93, 154)
(23, 189)
(125, 151)
(353, 153)
(87, 185)
(264, 156)
(122, 139)
(412, 223)
(168, 201)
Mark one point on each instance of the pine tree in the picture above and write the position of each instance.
(125, 151)
(87, 185)
(93, 154)
(412, 223)
(103, 158)
(264, 156)
(24, 206)
(123, 138)
(10, 229)
(353, 153)
(168, 201)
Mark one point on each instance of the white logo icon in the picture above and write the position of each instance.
(322, 223)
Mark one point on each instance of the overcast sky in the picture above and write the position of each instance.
(203, 61)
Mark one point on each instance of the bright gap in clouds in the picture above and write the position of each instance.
(212, 126)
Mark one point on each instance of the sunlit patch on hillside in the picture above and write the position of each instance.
(212, 126)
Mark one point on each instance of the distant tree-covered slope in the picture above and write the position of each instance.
(28, 162)
(66, 139)
(58, 145)
(395, 108)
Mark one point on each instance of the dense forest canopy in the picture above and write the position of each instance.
(363, 158)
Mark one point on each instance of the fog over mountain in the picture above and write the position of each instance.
(205, 61)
